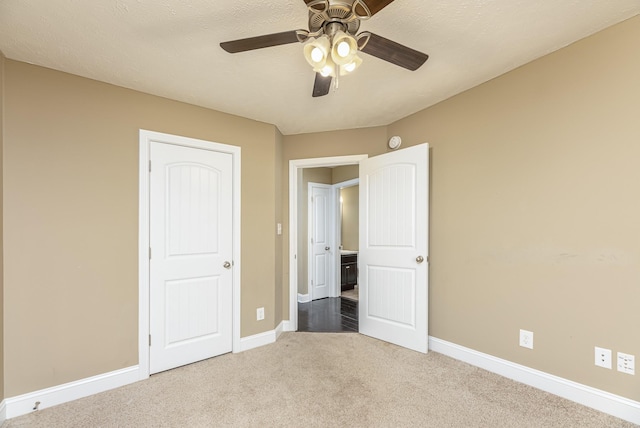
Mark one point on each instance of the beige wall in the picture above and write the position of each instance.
(349, 221)
(71, 197)
(535, 214)
(344, 173)
(349, 228)
(2, 61)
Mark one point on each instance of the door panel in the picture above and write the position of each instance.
(190, 236)
(393, 247)
(187, 314)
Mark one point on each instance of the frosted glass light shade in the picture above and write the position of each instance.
(344, 48)
(317, 52)
(351, 66)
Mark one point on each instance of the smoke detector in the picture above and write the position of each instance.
(394, 142)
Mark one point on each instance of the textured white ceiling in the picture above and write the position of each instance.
(171, 48)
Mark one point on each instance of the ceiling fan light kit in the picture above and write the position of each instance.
(333, 53)
(332, 43)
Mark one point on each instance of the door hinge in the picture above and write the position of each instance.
(149, 340)
(149, 166)
(149, 253)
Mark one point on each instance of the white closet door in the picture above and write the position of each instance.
(191, 250)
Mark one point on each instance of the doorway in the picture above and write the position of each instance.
(330, 301)
(297, 240)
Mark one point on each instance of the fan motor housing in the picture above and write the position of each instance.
(340, 11)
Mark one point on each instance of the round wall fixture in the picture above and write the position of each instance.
(394, 142)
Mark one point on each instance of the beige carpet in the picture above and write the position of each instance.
(322, 380)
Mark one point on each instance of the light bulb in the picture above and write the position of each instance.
(326, 70)
(350, 67)
(343, 49)
(317, 55)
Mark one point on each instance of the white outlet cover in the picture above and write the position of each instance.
(603, 357)
(626, 363)
(526, 339)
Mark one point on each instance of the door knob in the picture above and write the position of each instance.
(419, 259)
(327, 248)
(227, 265)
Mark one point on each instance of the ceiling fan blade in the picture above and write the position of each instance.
(374, 6)
(391, 51)
(260, 42)
(321, 85)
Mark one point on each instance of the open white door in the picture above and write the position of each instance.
(393, 257)
(321, 235)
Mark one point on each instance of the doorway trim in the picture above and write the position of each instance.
(146, 138)
(295, 165)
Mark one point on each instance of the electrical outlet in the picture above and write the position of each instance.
(526, 339)
(603, 357)
(626, 363)
(260, 314)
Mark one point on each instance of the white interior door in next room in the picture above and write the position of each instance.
(191, 280)
(393, 257)
(321, 229)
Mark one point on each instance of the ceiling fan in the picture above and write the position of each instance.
(332, 42)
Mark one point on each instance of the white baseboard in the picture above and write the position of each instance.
(23, 404)
(257, 340)
(264, 338)
(285, 325)
(304, 298)
(3, 411)
(603, 401)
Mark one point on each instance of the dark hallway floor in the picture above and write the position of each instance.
(330, 315)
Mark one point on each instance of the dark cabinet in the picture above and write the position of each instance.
(349, 269)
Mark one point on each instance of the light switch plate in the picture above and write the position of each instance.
(626, 363)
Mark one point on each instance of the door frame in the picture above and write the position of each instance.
(295, 167)
(146, 138)
(331, 233)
